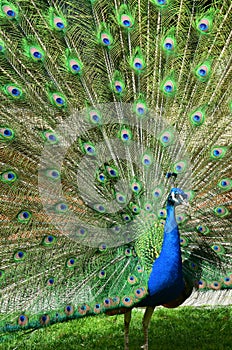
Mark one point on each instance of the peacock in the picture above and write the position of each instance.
(115, 167)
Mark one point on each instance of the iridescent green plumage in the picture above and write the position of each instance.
(168, 86)
(204, 22)
(105, 106)
(168, 43)
(125, 18)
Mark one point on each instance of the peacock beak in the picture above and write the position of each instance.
(184, 200)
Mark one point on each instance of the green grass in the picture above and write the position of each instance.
(184, 328)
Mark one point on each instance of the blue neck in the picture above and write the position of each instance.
(166, 279)
(170, 223)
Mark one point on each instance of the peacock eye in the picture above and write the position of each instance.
(126, 23)
(50, 282)
(44, 319)
(71, 263)
(22, 320)
(59, 23)
(203, 26)
(69, 310)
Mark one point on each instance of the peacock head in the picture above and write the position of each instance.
(177, 197)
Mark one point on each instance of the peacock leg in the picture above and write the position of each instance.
(146, 322)
(127, 318)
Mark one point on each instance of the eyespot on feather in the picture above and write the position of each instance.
(22, 320)
(6, 134)
(8, 177)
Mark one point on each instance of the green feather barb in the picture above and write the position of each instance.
(104, 37)
(204, 23)
(168, 43)
(8, 10)
(161, 4)
(8, 177)
(124, 17)
(118, 84)
(137, 61)
(168, 86)
(2, 47)
(57, 21)
(203, 71)
(125, 134)
(73, 64)
(13, 91)
(33, 51)
(140, 106)
(6, 134)
(197, 116)
(218, 152)
(88, 148)
(57, 99)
